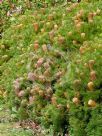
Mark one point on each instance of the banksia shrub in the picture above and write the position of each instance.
(51, 67)
(85, 90)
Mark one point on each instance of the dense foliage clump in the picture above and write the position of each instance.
(51, 67)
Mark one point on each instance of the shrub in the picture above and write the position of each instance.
(51, 66)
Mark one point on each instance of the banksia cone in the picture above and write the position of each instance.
(40, 62)
(90, 86)
(90, 21)
(75, 100)
(51, 35)
(91, 64)
(54, 100)
(24, 103)
(48, 24)
(46, 65)
(90, 16)
(55, 27)
(31, 76)
(77, 82)
(36, 45)
(2, 46)
(82, 35)
(93, 75)
(76, 21)
(74, 42)
(41, 93)
(92, 103)
(82, 50)
(49, 91)
(21, 93)
(16, 85)
(47, 73)
(36, 27)
(44, 47)
(68, 9)
(32, 91)
(31, 100)
(68, 106)
(69, 33)
(81, 12)
(42, 30)
(61, 39)
(98, 11)
(50, 17)
(41, 78)
(65, 94)
(78, 26)
(59, 106)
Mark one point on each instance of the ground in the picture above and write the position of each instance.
(8, 127)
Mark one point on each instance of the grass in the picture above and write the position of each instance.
(8, 127)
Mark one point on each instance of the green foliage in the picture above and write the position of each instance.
(50, 67)
(94, 126)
